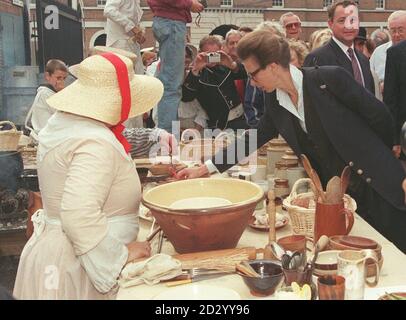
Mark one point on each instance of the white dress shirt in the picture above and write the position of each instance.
(40, 111)
(286, 102)
(345, 49)
(378, 60)
(122, 16)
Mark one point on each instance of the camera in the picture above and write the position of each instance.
(213, 57)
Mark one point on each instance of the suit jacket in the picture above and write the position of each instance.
(395, 85)
(331, 55)
(359, 127)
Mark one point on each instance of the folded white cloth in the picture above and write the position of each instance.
(151, 271)
(262, 218)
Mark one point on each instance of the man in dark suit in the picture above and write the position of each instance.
(394, 94)
(339, 51)
(324, 113)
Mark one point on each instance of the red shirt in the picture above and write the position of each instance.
(172, 9)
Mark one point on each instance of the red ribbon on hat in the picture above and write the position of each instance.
(124, 85)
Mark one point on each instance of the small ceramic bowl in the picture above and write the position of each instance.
(336, 243)
(357, 242)
(271, 277)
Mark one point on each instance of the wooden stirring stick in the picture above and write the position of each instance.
(271, 209)
(246, 269)
(271, 216)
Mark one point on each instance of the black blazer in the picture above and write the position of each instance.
(358, 125)
(395, 85)
(332, 55)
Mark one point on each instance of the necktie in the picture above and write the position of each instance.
(355, 68)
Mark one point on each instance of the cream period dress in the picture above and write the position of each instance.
(91, 194)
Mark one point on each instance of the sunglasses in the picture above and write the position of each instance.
(295, 25)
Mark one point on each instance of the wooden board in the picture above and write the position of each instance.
(12, 242)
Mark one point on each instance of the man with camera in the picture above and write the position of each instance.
(211, 82)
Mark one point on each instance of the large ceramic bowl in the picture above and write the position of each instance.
(203, 214)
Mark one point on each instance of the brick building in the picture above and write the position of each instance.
(373, 13)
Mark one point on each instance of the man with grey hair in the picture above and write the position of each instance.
(272, 26)
(396, 21)
(380, 36)
(230, 43)
(292, 24)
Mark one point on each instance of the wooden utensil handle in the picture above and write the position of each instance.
(178, 282)
(271, 216)
(245, 270)
(251, 252)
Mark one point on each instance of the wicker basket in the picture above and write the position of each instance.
(29, 155)
(9, 138)
(302, 219)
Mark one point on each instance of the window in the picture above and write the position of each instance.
(277, 3)
(327, 3)
(101, 3)
(226, 3)
(380, 4)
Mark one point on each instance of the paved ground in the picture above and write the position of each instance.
(8, 271)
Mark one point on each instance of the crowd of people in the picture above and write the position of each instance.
(330, 97)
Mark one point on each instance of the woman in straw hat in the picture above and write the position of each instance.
(90, 189)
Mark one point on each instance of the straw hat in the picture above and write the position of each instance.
(102, 49)
(96, 93)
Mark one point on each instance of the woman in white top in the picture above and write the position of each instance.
(90, 188)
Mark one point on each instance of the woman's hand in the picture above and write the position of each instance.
(192, 173)
(168, 143)
(226, 60)
(138, 250)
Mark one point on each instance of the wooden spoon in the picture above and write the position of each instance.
(315, 178)
(333, 191)
(309, 170)
(345, 179)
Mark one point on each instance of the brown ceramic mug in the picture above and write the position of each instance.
(332, 219)
(331, 287)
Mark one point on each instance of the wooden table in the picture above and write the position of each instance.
(392, 273)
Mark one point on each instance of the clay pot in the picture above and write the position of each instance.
(212, 227)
